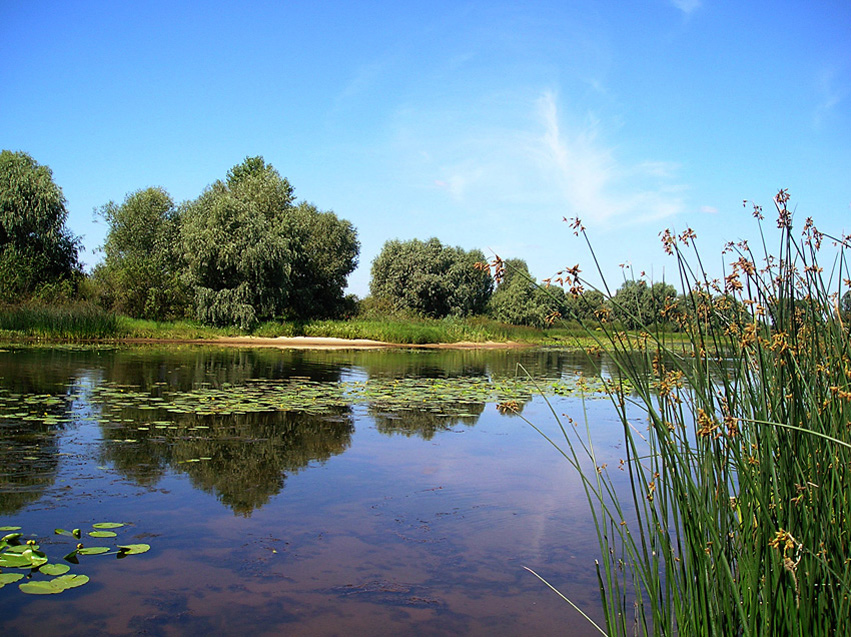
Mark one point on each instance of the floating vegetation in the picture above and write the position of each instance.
(16, 554)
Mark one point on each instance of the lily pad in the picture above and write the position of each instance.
(133, 549)
(54, 586)
(10, 528)
(93, 550)
(54, 569)
(9, 578)
(103, 534)
(108, 525)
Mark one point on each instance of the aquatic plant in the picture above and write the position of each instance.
(17, 553)
(737, 516)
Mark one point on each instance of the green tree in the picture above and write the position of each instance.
(518, 300)
(430, 279)
(140, 274)
(637, 304)
(251, 254)
(36, 249)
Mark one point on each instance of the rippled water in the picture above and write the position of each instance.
(299, 492)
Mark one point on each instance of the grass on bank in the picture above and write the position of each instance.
(737, 448)
(86, 322)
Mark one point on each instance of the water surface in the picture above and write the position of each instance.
(299, 492)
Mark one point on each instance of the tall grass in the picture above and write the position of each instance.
(73, 322)
(737, 519)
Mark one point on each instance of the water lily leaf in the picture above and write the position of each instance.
(108, 525)
(72, 557)
(54, 569)
(40, 588)
(103, 534)
(11, 538)
(93, 550)
(70, 580)
(133, 549)
(9, 578)
(10, 528)
(13, 560)
(64, 532)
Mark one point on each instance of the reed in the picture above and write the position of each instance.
(73, 322)
(737, 519)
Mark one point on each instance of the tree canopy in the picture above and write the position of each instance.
(36, 249)
(251, 254)
(140, 274)
(519, 301)
(430, 279)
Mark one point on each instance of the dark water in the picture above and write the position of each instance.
(352, 516)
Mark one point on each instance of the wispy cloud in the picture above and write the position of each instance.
(829, 96)
(594, 183)
(686, 6)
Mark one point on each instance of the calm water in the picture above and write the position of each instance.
(296, 492)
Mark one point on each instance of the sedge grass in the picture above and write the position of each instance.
(74, 322)
(737, 519)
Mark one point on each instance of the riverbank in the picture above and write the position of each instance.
(318, 342)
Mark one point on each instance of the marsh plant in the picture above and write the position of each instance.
(737, 517)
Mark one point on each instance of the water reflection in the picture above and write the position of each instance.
(242, 453)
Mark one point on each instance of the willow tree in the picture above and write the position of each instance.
(430, 279)
(36, 248)
(251, 253)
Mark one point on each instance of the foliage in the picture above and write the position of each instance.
(16, 554)
(735, 520)
(430, 279)
(140, 275)
(73, 322)
(251, 254)
(637, 304)
(35, 246)
(518, 300)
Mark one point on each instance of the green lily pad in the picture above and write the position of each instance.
(13, 560)
(54, 569)
(9, 578)
(10, 528)
(11, 538)
(108, 525)
(93, 550)
(54, 586)
(103, 534)
(133, 549)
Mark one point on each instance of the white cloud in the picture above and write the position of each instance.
(686, 6)
(829, 96)
(594, 184)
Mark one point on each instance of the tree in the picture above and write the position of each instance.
(140, 275)
(638, 305)
(519, 301)
(36, 249)
(251, 254)
(430, 279)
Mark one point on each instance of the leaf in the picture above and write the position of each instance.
(93, 550)
(11, 538)
(54, 569)
(133, 549)
(54, 586)
(72, 557)
(40, 588)
(13, 560)
(10, 528)
(9, 578)
(64, 532)
(70, 580)
(108, 525)
(103, 534)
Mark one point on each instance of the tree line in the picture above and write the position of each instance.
(246, 251)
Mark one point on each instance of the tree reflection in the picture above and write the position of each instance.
(242, 459)
(423, 423)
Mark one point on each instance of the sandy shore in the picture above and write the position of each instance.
(315, 342)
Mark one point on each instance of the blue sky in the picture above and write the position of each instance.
(480, 123)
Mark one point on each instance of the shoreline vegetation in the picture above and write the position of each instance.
(86, 323)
